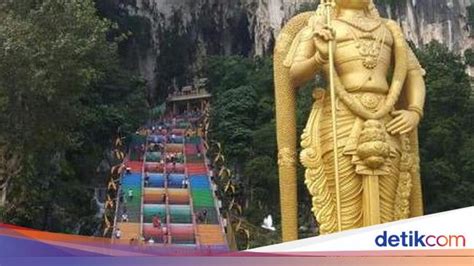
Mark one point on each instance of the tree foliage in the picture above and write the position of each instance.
(62, 98)
(469, 57)
(446, 134)
(243, 122)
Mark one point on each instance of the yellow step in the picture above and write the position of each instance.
(129, 230)
(210, 234)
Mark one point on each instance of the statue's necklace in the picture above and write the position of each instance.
(369, 47)
(363, 24)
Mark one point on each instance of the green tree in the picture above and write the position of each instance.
(233, 112)
(446, 133)
(243, 121)
(469, 57)
(62, 98)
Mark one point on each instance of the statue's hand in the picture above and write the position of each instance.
(404, 122)
(322, 36)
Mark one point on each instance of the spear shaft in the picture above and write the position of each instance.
(329, 4)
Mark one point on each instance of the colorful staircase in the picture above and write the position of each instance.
(131, 206)
(209, 228)
(179, 191)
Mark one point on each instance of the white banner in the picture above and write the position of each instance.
(446, 230)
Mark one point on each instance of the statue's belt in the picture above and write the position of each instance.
(370, 100)
(349, 125)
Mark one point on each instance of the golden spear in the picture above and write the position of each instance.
(329, 4)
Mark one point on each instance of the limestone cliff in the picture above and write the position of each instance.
(186, 31)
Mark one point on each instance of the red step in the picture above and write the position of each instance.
(135, 166)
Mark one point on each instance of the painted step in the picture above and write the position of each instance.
(211, 217)
(129, 230)
(156, 180)
(182, 234)
(176, 139)
(195, 159)
(136, 166)
(200, 182)
(190, 149)
(180, 214)
(156, 138)
(210, 235)
(194, 140)
(202, 198)
(132, 180)
(194, 171)
(178, 131)
(176, 196)
(177, 168)
(150, 210)
(153, 157)
(154, 167)
(153, 195)
(174, 147)
(175, 180)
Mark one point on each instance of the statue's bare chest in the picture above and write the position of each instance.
(367, 40)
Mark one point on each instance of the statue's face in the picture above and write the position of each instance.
(354, 4)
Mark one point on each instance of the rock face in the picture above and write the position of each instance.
(176, 35)
(425, 20)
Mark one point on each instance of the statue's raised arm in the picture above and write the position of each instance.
(375, 152)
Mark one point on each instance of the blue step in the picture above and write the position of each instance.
(175, 180)
(200, 181)
(132, 179)
(177, 139)
(156, 180)
(157, 138)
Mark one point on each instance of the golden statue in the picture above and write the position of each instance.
(373, 105)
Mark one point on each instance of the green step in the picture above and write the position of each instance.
(193, 140)
(153, 156)
(194, 159)
(211, 215)
(149, 210)
(183, 125)
(180, 214)
(202, 198)
(137, 194)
